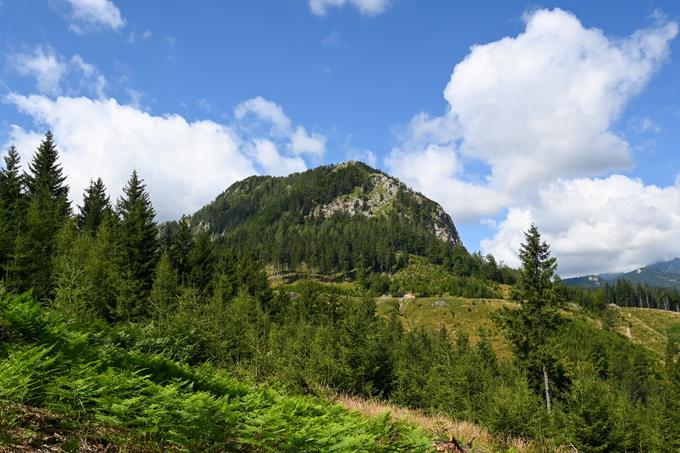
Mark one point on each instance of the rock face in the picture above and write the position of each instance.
(375, 202)
(444, 228)
(380, 200)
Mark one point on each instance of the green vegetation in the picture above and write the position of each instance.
(623, 293)
(376, 219)
(94, 385)
(138, 335)
(654, 329)
(422, 278)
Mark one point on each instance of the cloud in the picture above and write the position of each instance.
(366, 7)
(597, 224)
(55, 75)
(274, 163)
(90, 77)
(541, 105)
(264, 111)
(526, 111)
(43, 64)
(642, 125)
(263, 117)
(90, 15)
(435, 171)
(184, 163)
(428, 160)
(303, 143)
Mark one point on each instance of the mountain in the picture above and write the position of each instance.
(333, 218)
(665, 274)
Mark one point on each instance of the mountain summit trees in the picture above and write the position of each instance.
(530, 328)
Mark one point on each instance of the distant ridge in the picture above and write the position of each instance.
(665, 274)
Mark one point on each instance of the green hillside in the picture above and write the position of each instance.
(332, 218)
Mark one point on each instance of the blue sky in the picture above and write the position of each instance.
(196, 95)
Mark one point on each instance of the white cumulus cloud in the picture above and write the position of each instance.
(366, 7)
(274, 163)
(88, 15)
(597, 224)
(261, 116)
(530, 114)
(541, 105)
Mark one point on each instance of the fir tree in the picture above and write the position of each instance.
(164, 290)
(47, 211)
(138, 237)
(73, 290)
(96, 208)
(181, 245)
(46, 175)
(12, 206)
(202, 262)
(530, 327)
(104, 271)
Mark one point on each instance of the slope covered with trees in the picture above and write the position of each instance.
(332, 218)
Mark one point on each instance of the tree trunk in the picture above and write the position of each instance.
(546, 384)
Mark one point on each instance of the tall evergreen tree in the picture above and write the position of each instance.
(202, 262)
(96, 208)
(530, 327)
(12, 206)
(46, 175)
(164, 290)
(138, 236)
(181, 245)
(48, 209)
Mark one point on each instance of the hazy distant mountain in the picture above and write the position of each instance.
(665, 274)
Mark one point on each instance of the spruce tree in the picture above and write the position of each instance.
(202, 262)
(103, 269)
(96, 208)
(46, 176)
(164, 290)
(138, 238)
(48, 209)
(530, 327)
(73, 288)
(181, 245)
(12, 206)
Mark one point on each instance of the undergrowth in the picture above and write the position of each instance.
(82, 374)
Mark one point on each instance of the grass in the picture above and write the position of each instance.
(459, 315)
(649, 327)
(468, 434)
